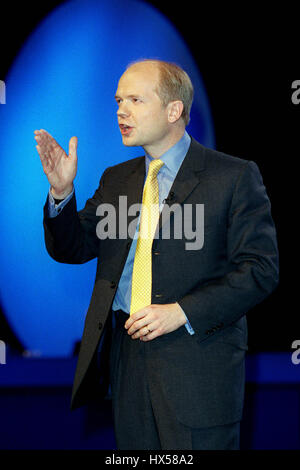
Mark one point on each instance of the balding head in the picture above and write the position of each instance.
(173, 83)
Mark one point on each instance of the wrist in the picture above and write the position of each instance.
(183, 315)
(60, 195)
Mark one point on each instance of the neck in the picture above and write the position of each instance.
(159, 148)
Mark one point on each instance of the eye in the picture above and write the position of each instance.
(136, 99)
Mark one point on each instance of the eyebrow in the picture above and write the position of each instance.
(133, 95)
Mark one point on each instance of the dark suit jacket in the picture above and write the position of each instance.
(236, 268)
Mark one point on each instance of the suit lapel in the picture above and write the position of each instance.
(130, 181)
(129, 185)
(186, 179)
(135, 183)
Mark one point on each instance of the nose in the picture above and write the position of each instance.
(123, 110)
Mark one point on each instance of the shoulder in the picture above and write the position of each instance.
(215, 159)
(220, 164)
(126, 167)
(222, 170)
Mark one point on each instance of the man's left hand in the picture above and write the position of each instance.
(155, 320)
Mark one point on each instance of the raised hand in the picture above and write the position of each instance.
(59, 167)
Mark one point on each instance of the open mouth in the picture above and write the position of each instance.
(125, 130)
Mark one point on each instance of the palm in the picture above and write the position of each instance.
(59, 167)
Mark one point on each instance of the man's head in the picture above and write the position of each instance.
(154, 99)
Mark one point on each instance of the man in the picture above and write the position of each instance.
(174, 314)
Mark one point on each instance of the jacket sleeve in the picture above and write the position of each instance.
(252, 259)
(71, 237)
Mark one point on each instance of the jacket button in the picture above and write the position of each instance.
(156, 253)
(112, 284)
(100, 325)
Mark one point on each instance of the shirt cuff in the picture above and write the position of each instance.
(55, 209)
(188, 326)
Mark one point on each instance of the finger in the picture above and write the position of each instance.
(138, 324)
(44, 153)
(49, 146)
(47, 139)
(43, 131)
(42, 147)
(150, 336)
(41, 153)
(153, 329)
(73, 147)
(135, 316)
(43, 142)
(38, 137)
(141, 332)
(42, 136)
(44, 159)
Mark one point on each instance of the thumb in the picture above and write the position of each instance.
(73, 147)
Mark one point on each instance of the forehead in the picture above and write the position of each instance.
(139, 78)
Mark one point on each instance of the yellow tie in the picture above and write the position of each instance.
(142, 266)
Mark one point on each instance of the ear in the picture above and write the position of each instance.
(175, 109)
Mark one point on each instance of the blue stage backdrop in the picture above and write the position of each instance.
(64, 80)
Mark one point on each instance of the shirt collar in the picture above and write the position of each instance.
(173, 157)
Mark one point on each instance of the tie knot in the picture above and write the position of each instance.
(155, 166)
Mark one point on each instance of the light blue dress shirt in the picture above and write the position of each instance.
(172, 159)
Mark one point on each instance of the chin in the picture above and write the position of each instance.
(129, 142)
